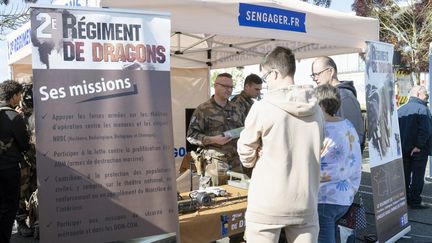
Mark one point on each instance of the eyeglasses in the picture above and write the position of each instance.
(225, 86)
(313, 75)
(265, 76)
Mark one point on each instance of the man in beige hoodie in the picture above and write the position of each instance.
(282, 139)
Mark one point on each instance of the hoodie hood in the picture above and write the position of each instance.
(349, 85)
(298, 100)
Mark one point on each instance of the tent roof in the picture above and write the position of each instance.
(208, 33)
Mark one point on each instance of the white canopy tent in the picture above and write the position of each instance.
(209, 33)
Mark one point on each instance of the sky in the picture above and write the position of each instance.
(14, 4)
(340, 5)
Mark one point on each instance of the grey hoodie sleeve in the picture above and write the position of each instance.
(350, 109)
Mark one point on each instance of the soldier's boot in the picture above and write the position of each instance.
(23, 229)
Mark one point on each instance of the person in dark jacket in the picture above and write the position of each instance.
(14, 140)
(415, 125)
(324, 71)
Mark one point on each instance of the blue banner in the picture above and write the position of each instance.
(271, 18)
(19, 42)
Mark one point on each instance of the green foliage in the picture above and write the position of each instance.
(405, 24)
(324, 3)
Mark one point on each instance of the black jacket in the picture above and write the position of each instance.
(12, 126)
(415, 125)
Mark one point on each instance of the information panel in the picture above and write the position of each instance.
(385, 154)
(103, 125)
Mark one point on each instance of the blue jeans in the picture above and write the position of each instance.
(328, 215)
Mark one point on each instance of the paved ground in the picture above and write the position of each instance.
(420, 220)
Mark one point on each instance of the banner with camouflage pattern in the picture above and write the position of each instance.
(103, 125)
(385, 154)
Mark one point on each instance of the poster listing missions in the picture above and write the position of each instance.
(99, 41)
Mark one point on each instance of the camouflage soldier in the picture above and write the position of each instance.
(32, 203)
(27, 101)
(27, 187)
(33, 208)
(251, 90)
(208, 123)
(28, 182)
(244, 101)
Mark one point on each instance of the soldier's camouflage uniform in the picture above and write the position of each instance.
(28, 183)
(210, 119)
(33, 208)
(244, 103)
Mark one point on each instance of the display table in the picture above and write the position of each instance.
(211, 223)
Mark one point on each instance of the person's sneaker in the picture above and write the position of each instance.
(23, 229)
(419, 206)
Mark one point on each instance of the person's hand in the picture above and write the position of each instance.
(19, 109)
(218, 139)
(414, 150)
